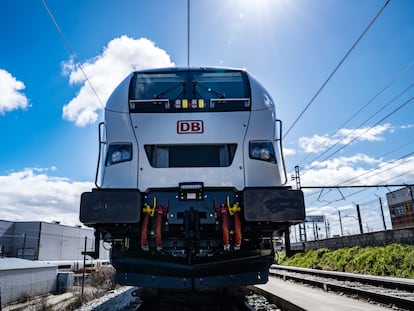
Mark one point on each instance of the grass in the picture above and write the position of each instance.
(395, 260)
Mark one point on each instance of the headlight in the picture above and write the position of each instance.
(262, 150)
(119, 153)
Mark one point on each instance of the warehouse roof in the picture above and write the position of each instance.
(9, 263)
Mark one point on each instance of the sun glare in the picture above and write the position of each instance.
(264, 9)
(265, 14)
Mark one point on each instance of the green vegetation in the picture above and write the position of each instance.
(392, 260)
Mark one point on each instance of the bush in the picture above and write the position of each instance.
(392, 260)
(104, 278)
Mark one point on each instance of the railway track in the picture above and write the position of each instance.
(395, 292)
(369, 293)
(141, 299)
(179, 300)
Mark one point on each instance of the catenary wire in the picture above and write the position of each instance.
(360, 126)
(336, 69)
(365, 131)
(399, 75)
(374, 172)
(308, 195)
(71, 51)
(347, 196)
(379, 170)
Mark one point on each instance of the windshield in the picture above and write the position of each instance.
(189, 90)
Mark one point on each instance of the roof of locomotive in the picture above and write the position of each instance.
(163, 69)
(118, 101)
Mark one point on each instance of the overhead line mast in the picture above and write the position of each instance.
(188, 33)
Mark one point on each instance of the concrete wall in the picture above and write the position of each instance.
(379, 238)
(22, 278)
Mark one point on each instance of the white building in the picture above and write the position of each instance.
(46, 241)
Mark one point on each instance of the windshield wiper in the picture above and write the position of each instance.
(209, 89)
(171, 88)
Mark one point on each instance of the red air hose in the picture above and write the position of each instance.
(225, 227)
(158, 224)
(237, 231)
(144, 232)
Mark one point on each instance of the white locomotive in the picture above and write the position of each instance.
(189, 187)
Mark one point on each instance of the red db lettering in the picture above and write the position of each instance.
(190, 127)
(195, 127)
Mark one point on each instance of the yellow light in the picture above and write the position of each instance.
(184, 103)
(201, 103)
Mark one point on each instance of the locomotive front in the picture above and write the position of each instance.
(189, 183)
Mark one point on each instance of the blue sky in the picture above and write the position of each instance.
(49, 115)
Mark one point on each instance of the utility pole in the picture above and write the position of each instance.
(302, 232)
(84, 268)
(297, 177)
(326, 226)
(340, 221)
(302, 227)
(361, 230)
(288, 248)
(382, 212)
(188, 33)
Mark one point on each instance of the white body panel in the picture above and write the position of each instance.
(218, 128)
(119, 130)
(237, 127)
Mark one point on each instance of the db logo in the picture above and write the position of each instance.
(190, 127)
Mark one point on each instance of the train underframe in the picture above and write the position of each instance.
(191, 237)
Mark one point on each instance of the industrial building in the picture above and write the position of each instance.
(400, 203)
(32, 253)
(46, 241)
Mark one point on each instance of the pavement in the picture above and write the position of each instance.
(315, 299)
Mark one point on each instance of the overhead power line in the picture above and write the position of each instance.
(365, 131)
(336, 68)
(376, 171)
(71, 51)
(349, 135)
(401, 74)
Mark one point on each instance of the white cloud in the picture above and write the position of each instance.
(317, 143)
(359, 169)
(10, 96)
(407, 126)
(365, 134)
(32, 195)
(121, 56)
(288, 151)
(356, 170)
(350, 161)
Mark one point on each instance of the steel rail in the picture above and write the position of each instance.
(406, 285)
